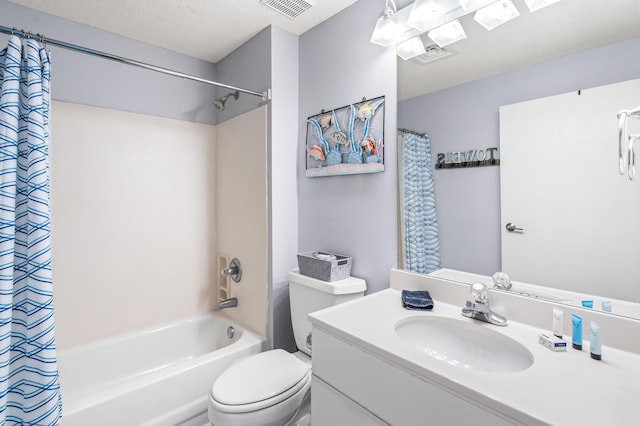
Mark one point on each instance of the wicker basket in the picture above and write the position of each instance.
(324, 266)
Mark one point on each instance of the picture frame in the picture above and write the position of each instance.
(346, 140)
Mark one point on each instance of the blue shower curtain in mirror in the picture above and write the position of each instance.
(420, 240)
(29, 388)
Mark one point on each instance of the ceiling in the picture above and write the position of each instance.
(211, 29)
(205, 29)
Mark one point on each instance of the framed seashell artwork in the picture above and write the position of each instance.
(347, 140)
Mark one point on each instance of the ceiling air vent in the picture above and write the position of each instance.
(289, 8)
(433, 53)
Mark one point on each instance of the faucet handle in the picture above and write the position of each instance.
(501, 281)
(480, 293)
(234, 270)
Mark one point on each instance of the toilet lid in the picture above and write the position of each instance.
(259, 377)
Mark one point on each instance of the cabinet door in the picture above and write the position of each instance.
(330, 407)
(386, 392)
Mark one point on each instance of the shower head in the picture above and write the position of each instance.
(219, 103)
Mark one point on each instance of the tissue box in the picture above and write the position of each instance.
(314, 264)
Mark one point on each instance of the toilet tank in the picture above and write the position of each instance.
(308, 295)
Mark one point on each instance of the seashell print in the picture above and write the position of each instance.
(340, 138)
(368, 145)
(316, 153)
(365, 111)
(325, 120)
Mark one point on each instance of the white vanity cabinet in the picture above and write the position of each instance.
(352, 386)
(369, 368)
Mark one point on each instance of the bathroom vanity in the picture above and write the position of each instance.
(376, 363)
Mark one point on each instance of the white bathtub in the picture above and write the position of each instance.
(154, 377)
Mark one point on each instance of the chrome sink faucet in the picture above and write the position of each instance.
(479, 307)
(227, 303)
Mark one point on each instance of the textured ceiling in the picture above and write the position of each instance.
(205, 29)
(210, 29)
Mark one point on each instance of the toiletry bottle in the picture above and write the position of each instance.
(576, 332)
(595, 345)
(558, 322)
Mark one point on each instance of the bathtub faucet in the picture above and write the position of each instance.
(227, 303)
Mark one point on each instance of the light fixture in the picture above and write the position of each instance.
(410, 48)
(440, 20)
(386, 28)
(390, 29)
(496, 14)
(471, 5)
(447, 33)
(539, 4)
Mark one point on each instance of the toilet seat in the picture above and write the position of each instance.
(260, 381)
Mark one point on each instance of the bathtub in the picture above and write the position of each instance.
(155, 377)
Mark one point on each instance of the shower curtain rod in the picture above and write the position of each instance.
(412, 132)
(266, 95)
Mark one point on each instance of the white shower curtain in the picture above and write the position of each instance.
(420, 237)
(29, 388)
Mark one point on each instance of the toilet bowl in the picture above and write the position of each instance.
(273, 388)
(268, 389)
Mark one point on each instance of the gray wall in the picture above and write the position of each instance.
(466, 117)
(90, 80)
(353, 215)
(283, 197)
(248, 67)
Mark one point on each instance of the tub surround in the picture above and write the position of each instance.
(124, 258)
(241, 213)
(544, 393)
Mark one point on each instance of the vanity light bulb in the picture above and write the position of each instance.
(472, 4)
(430, 11)
(495, 11)
(424, 14)
(496, 14)
(388, 29)
(410, 48)
(534, 5)
(447, 33)
(385, 32)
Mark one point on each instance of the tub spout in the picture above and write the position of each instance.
(227, 303)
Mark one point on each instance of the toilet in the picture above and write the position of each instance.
(273, 388)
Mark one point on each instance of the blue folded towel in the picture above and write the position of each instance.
(417, 299)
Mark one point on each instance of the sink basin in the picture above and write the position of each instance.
(464, 344)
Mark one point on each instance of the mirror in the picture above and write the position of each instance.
(467, 117)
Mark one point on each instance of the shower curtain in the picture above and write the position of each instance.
(420, 241)
(29, 388)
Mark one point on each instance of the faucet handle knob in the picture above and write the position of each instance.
(480, 292)
(234, 270)
(502, 281)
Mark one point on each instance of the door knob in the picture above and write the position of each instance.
(511, 227)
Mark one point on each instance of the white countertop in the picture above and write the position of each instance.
(560, 388)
